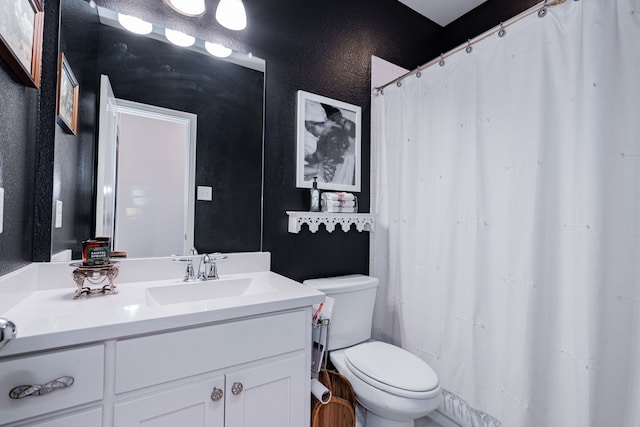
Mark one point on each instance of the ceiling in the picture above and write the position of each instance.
(442, 12)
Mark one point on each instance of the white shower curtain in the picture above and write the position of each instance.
(508, 219)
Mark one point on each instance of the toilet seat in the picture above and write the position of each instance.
(392, 369)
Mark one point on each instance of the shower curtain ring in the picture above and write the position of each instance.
(469, 48)
(418, 74)
(502, 31)
(441, 63)
(542, 12)
(398, 83)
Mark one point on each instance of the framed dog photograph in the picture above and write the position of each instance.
(68, 91)
(328, 143)
(21, 23)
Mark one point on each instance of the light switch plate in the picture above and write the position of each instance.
(205, 193)
(58, 214)
(1, 209)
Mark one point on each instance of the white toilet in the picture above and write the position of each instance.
(395, 386)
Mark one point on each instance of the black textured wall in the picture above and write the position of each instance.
(325, 51)
(18, 131)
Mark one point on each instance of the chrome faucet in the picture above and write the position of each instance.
(207, 270)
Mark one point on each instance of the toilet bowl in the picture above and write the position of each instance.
(392, 384)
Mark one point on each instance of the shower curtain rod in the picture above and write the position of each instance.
(541, 8)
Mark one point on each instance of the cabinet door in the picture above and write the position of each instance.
(194, 405)
(268, 395)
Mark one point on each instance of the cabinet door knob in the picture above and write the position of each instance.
(23, 391)
(216, 394)
(236, 388)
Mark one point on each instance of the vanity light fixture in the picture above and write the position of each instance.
(216, 49)
(135, 25)
(187, 7)
(231, 14)
(179, 38)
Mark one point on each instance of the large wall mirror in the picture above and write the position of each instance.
(226, 96)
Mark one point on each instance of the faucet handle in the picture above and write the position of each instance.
(212, 272)
(190, 274)
(216, 256)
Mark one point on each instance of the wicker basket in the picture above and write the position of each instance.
(340, 411)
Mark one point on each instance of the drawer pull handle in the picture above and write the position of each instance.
(23, 391)
(236, 388)
(216, 394)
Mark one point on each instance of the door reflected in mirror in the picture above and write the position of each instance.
(145, 175)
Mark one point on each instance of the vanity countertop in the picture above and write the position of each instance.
(47, 316)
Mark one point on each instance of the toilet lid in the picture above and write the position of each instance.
(391, 368)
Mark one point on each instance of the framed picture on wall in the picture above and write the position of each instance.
(328, 143)
(21, 24)
(68, 91)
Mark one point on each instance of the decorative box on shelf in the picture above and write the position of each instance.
(363, 221)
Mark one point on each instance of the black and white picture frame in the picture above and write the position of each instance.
(68, 93)
(328, 143)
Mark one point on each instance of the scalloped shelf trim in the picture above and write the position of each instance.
(363, 221)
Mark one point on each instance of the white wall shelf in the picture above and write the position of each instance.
(363, 221)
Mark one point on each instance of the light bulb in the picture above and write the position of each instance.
(179, 38)
(216, 49)
(231, 14)
(187, 7)
(135, 25)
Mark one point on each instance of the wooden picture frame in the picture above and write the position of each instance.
(68, 93)
(328, 143)
(21, 24)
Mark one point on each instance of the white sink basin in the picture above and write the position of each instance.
(211, 289)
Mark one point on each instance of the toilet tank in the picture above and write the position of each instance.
(355, 296)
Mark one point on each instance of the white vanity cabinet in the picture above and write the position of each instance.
(232, 352)
(242, 373)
